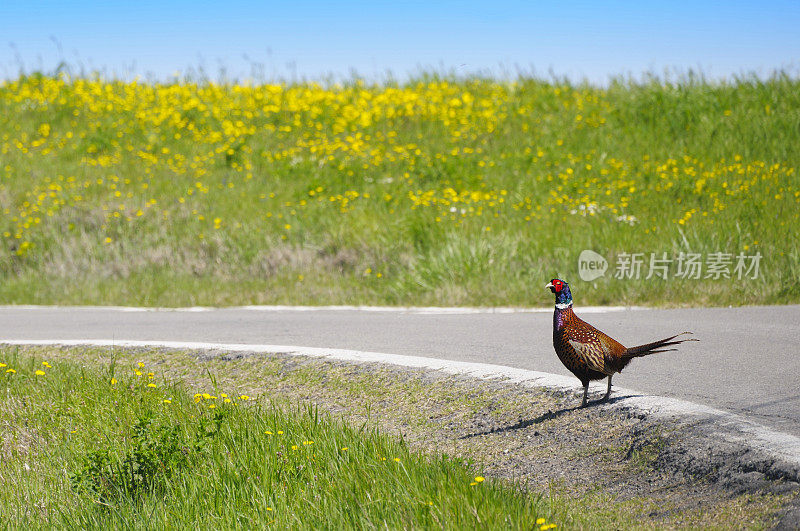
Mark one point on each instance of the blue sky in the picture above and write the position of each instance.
(312, 39)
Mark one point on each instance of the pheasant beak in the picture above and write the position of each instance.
(549, 286)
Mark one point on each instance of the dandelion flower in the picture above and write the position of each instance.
(39, 372)
(10, 371)
(479, 479)
(113, 381)
(151, 385)
(244, 397)
(3, 365)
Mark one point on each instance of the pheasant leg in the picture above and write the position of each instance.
(608, 392)
(585, 392)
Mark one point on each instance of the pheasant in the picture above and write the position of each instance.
(589, 353)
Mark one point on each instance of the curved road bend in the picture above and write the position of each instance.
(747, 360)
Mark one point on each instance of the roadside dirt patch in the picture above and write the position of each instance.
(638, 471)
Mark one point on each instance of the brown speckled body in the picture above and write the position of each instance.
(598, 355)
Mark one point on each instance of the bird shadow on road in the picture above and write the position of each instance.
(525, 423)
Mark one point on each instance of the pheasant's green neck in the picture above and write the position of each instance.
(564, 299)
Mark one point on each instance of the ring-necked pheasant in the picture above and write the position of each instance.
(589, 353)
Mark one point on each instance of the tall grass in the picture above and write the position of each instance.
(435, 191)
(91, 447)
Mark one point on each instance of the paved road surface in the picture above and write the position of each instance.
(748, 360)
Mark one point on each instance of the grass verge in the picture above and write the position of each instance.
(115, 445)
(594, 469)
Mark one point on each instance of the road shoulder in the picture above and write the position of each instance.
(633, 465)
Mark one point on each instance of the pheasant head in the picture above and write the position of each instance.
(561, 290)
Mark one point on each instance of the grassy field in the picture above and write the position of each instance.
(118, 446)
(437, 191)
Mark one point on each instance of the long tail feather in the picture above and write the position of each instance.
(655, 347)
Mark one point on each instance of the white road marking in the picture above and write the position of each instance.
(425, 310)
(730, 426)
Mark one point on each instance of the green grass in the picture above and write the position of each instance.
(83, 451)
(68, 434)
(439, 191)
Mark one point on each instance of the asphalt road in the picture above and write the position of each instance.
(747, 360)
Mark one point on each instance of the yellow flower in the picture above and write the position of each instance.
(345, 449)
(39, 372)
(44, 363)
(167, 401)
(540, 521)
(10, 371)
(397, 459)
(113, 381)
(212, 406)
(244, 397)
(140, 364)
(3, 365)
(268, 432)
(151, 385)
(479, 479)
